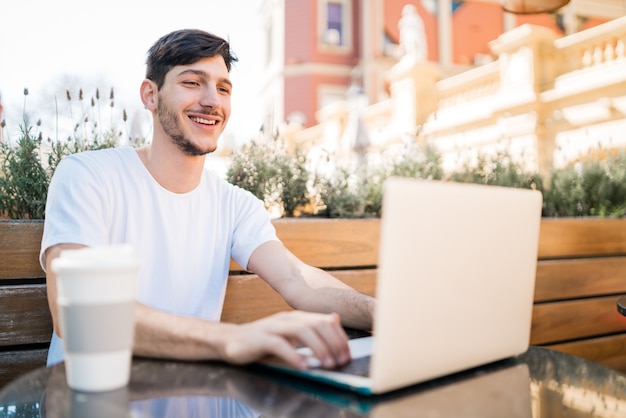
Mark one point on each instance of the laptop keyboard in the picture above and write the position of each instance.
(359, 366)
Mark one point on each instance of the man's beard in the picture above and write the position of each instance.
(171, 126)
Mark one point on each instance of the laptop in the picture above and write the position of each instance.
(455, 285)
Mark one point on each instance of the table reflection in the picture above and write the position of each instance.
(541, 383)
(563, 385)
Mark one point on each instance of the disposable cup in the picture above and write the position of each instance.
(96, 301)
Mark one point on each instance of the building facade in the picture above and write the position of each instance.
(317, 49)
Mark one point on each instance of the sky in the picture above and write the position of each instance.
(50, 45)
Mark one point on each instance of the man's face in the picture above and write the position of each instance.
(194, 104)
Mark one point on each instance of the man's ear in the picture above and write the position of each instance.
(149, 94)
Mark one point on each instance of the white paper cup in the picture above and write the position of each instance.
(96, 305)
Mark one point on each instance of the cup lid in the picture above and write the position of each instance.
(105, 256)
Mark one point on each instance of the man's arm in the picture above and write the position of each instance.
(311, 289)
(165, 335)
(160, 334)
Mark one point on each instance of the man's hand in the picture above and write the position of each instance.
(279, 335)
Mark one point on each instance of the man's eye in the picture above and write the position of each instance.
(191, 83)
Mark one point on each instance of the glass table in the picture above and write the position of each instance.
(540, 383)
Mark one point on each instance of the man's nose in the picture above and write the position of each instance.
(210, 97)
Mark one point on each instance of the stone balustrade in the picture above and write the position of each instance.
(550, 101)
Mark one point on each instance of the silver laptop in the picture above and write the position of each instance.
(455, 284)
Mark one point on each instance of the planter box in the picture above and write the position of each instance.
(580, 274)
(19, 249)
(26, 325)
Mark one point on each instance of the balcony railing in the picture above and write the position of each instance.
(557, 99)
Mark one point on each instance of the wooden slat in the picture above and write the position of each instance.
(332, 243)
(335, 243)
(249, 298)
(19, 245)
(329, 243)
(574, 278)
(568, 237)
(24, 315)
(326, 243)
(609, 351)
(557, 322)
(15, 363)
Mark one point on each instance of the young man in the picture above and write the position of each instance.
(186, 223)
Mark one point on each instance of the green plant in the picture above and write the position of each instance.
(27, 165)
(273, 175)
(354, 188)
(343, 193)
(355, 191)
(85, 116)
(591, 188)
(498, 169)
(417, 162)
(24, 180)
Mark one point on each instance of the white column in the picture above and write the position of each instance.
(509, 21)
(366, 46)
(444, 22)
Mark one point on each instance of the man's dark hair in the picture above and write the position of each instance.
(184, 47)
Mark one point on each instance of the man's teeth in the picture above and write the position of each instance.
(203, 121)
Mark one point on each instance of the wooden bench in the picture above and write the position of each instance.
(580, 274)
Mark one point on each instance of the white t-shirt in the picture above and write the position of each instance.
(184, 241)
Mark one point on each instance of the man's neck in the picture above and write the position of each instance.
(171, 168)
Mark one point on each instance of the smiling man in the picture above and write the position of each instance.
(186, 223)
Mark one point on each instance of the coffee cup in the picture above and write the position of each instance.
(96, 301)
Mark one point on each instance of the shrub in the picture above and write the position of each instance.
(27, 165)
(24, 180)
(356, 190)
(499, 169)
(344, 193)
(273, 175)
(591, 188)
(417, 162)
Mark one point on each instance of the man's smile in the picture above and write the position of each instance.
(203, 121)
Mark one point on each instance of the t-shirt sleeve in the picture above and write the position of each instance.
(253, 228)
(75, 207)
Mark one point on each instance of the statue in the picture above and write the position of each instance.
(412, 35)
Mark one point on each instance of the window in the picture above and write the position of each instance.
(335, 23)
